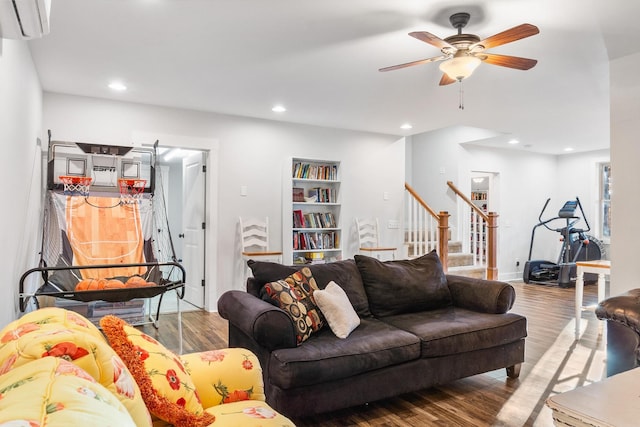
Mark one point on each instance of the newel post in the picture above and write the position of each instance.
(492, 246)
(443, 238)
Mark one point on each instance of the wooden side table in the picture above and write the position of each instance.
(599, 267)
(608, 403)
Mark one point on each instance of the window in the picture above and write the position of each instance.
(605, 200)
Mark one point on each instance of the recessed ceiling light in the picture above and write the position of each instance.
(278, 109)
(568, 149)
(514, 141)
(117, 86)
(406, 126)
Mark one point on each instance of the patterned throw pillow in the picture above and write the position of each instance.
(55, 393)
(294, 295)
(166, 387)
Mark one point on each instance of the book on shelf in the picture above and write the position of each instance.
(309, 220)
(330, 220)
(305, 240)
(313, 219)
(313, 193)
(324, 172)
(298, 218)
(315, 258)
(297, 194)
(322, 195)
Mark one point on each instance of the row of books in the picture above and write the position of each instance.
(478, 196)
(317, 195)
(313, 219)
(315, 171)
(324, 195)
(315, 240)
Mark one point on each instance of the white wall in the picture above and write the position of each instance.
(578, 176)
(526, 180)
(436, 157)
(625, 157)
(251, 153)
(20, 125)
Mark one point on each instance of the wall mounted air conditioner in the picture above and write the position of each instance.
(24, 19)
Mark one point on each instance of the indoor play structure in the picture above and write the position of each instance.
(105, 232)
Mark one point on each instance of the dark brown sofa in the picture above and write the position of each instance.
(622, 313)
(419, 328)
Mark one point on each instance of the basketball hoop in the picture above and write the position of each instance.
(76, 185)
(131, 189)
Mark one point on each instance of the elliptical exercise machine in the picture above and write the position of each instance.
(576, 246)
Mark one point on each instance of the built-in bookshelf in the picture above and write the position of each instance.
(311, 211)
(480, 198)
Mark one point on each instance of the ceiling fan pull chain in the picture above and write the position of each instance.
(461, 106)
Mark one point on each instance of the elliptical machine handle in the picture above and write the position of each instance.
(543, 209)
(583, 216)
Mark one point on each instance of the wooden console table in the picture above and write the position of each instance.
(612, 402)
(599, 267)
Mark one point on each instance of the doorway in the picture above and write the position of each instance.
(183, 183)
(484, 192)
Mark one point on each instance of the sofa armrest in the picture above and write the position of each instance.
(487, 296)
(225, 376)
(624, 309)
(267, 325)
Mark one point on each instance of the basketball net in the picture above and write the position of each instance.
(76, 185)
(131, 190)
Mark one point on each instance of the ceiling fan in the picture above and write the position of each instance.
(462, 53)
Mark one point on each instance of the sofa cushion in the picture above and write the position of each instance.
(42, 336)
(343, 272)
(404, 286)
(166, 387)
(454, 330)
(52, 392)
(36, 319)
(324, 357)
(294, 295)
(337, 309)
(225, 376)
(248, 413)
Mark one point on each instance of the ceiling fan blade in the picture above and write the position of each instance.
(508, 61)
(431, 39)
(409, 64)
(446, 80)
(516, 33)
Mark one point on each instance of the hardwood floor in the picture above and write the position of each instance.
(554, 362)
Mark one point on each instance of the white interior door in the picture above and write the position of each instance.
(193, 205)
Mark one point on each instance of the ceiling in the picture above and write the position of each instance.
(320, 59)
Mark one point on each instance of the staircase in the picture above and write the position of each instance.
(458, 263)
(427, 230)
(461, 264)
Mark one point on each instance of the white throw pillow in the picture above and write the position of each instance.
(337, 309)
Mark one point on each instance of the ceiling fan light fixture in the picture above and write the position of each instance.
(460, 67)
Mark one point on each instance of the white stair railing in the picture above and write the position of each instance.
(425, 230)
(421, 235)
